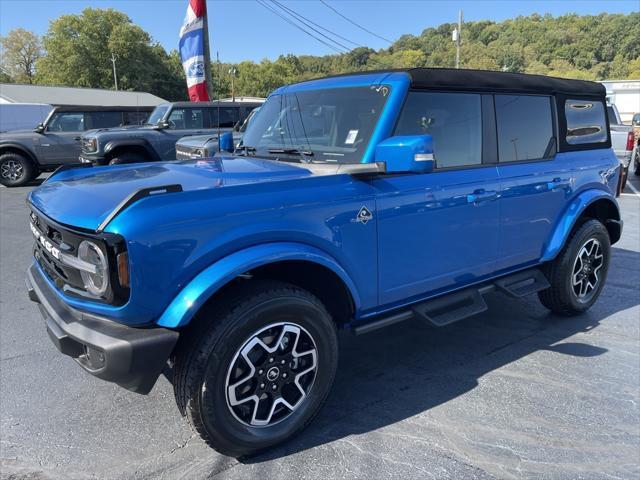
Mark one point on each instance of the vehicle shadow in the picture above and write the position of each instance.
(395, 373)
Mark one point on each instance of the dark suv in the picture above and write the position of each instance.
(157, 139)
(56, 141)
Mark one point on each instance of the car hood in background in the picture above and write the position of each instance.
(84, 197)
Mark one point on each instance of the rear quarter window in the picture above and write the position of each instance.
(586, 122)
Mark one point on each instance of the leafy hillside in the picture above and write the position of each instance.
(590, 47)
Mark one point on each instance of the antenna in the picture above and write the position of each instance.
(219, 85)
(115, 76)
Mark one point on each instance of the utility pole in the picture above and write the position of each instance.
(457, 37)
(232, 72)
(115, 76)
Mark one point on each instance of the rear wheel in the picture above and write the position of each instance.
(15, 170)
(578, 274)
(128, 157)
(258, 369)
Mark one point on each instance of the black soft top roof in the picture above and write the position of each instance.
(445, 78)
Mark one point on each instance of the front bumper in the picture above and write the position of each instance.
(131, 357)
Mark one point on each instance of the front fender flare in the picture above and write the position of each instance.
(569, 218)
(131, 142)
(194, 295)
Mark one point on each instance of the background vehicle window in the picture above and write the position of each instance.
(613, 120)
(228, 117)
(525, 127)
(135, 118)
(586, 122)
(67, 122)
(103, 119)
(186, 118)
(454, 120)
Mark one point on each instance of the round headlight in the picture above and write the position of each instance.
(95, 283)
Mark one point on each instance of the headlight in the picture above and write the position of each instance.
(96, 283)
(197, 153)
(90, 144)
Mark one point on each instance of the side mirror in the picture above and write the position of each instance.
(161, 125)
(404, 154)
(225, 143)
(636, 120)
(39, 128)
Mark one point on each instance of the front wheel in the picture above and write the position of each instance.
(15, 170)
(578, 273)
(258, 369)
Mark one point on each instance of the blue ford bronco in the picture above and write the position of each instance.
(354, 202)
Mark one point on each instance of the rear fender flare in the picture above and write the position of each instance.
(196, 293)
(569, 217)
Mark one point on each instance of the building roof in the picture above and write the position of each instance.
(17, 93)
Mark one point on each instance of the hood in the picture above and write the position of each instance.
(84, 197)
(11, 134)
(124, 128)
(196, 141)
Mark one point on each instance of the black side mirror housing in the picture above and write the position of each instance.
(39, 128)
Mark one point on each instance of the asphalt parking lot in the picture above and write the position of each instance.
(512, 393)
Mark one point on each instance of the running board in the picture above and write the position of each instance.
(524, 283)
(457, 306)
(451, 308)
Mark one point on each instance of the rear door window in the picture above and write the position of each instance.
(103, 119)
(586, 122)
(228, 116)
(454, 121)
(525, 127)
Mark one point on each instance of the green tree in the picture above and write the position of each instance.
(80, 48)
(21, 50)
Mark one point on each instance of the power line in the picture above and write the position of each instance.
(354, 23)
(284, 9)
(290, 22)
(293, 12)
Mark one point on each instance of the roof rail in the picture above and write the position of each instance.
(134, 197)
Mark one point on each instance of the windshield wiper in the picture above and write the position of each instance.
(291, 151)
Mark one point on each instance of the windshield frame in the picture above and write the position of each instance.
(306, 151)
(165, 106)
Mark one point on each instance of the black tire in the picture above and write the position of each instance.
(128, 157)
(209, 351)
(563, 296)
(636, 162)
(16, 170)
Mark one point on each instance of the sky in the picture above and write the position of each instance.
(245, 30)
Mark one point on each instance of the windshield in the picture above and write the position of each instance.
(331, 125)
(157, 114)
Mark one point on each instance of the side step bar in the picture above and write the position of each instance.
(452, 307)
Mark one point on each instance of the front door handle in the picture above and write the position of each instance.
(482, 195)
(558, 184)
(77, 139)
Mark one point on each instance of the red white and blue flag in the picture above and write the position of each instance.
(192, 50)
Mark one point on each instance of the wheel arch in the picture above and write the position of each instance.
(594, 204)
(299, 264)
(20, 150)
(142, 146)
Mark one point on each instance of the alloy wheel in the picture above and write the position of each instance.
(586, 269)
(271, 374)
(11, 170)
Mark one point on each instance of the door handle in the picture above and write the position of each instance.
(482, 195)
(558, 184)
(77, 139)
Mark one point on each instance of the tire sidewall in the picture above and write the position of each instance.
(27, 169)
(591, 229)
(211, 405)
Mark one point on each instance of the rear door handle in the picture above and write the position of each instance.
(482, 195)
(558, 184)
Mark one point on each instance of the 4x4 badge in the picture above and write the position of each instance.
(364, 215)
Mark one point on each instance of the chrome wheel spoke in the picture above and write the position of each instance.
(269, 378)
